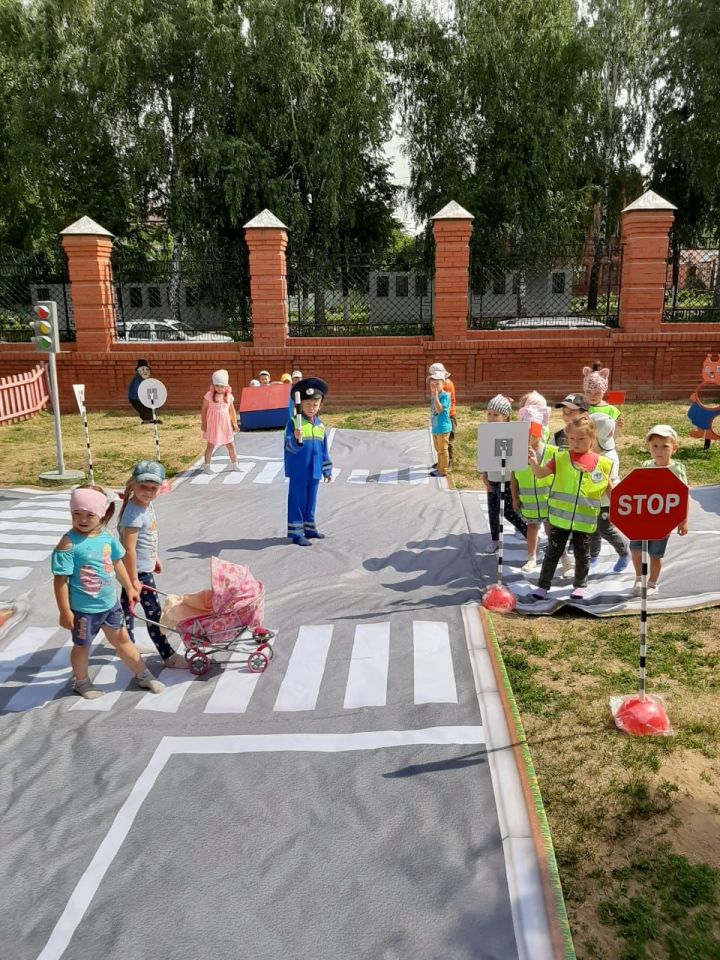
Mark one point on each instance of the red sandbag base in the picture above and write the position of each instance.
(641, 717)
(498, 599)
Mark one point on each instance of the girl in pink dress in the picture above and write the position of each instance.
(219, 422)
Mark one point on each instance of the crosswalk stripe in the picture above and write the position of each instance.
(49, 681)
(369, 662)
(300, 687)
(177, 683)
(33, 514)
(28, 538)
(234, 688)
(388, 476)
(14, 573)
(36, 556)
(358, 476)
(433, 667)
(419, 474)
(21, 649)
(269, 472)
(57, 528)
(237, 476)
(205, 478)
(112, 679)
(336, 471)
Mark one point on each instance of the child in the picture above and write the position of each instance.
(530, 495)
(661, 442)
(572, 406)
(218, 419)
(449, 387)
(499, 410)
(286, 378)
(264, 378)
(440, 424)
(595, 384)
(580, 477)
(296, 376)
(307, 461)
(534, 406)
(254, 383)
(605, 445)
(137, 527)
(85, 565)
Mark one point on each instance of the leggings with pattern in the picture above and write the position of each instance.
(151, 608)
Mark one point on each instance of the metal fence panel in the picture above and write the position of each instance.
(692, 290)
(25, 279)
(202, 300)
(359, 300)
(570, 290)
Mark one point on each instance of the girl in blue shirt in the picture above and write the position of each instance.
(86, 564)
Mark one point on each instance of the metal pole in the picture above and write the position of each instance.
(503, 449)
(643, 620)
(91, 474)
(298, 415)
(155, 426)
(52, 369)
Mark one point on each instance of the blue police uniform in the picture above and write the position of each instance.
(306, 464)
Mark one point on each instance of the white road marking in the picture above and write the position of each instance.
(388, 476)
(234, 688)
(177, 683)
(419, 474)
(434, 674)
(336, 471)
(88, 884)
(269, 472)
(369, 662)
(36, 556)
(33, 513)
(358, 476)
(205, 478)
(38, 692)
(57, 528)
(21, 649)
(29, 538)
(301, 684)
(237, 476)
(14, 573)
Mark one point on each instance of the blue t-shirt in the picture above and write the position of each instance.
(88, 565)
(441, 421)
(142, 519)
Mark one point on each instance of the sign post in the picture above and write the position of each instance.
(647, 505)
(153, 393)
(79, 391)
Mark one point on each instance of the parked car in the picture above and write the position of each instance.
(549, 323)
(149, 330)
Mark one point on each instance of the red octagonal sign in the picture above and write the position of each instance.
(649, 503)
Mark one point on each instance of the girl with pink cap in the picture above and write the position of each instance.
(86, 564)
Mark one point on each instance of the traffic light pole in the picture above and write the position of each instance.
(52, 369)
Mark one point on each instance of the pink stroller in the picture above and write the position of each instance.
(228, 617)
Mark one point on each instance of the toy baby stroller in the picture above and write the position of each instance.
(228, 617)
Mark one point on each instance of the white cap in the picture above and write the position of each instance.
(264, 373)
(662, 430)
(604, 430)
(221, 378)
(297, 373)
(437, 376)
(438, 368)
(254, 383)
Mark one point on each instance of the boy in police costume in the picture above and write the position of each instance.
(307, 462)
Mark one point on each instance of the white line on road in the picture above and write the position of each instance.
(37, 692)
(358, 476)
(388, 476)
(434, 675)
(14, 573)
(57, 528)
(34, 556)
(21, 649)
(369, 661)
(34, 514)
(269, 472)
(237, 476)
(112, 679)
(301, 684)
(29, 538)
(234, 688)
(177, 683)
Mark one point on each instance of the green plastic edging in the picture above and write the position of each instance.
(521, 740)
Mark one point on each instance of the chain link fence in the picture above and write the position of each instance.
(25, 279)
(166, 301)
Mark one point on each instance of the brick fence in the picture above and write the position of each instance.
(649, 359)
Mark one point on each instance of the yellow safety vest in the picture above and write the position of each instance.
(312, 431)
(533, 491)
(607, 408)
(575, 495)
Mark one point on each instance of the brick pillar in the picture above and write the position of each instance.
(452, 227)
(644, 233)
(88, 247)
(266, 237)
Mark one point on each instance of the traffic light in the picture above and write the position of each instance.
(46, 339)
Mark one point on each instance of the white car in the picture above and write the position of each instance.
(149, 330)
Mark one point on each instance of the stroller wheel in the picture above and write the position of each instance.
(258, 662)
(190, 653)
(266, 650)
(199, 664)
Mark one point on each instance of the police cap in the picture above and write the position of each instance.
(311, 388)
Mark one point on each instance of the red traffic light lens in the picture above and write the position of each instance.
(42, 312)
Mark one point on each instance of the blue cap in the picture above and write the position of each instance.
(149, 471)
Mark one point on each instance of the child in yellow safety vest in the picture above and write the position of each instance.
(530, 493)
(580, 478)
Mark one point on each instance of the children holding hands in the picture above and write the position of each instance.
(85, 564)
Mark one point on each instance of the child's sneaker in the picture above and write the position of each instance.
(637, 587)
(621, 563)
(529, 566)
(578, 593)
(207, 468)
(237, 468)
(540, 593)
(147, 681)
(301, 541)
(86, 690)
(652, 587)
(567, 566)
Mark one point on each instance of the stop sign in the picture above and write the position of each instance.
(649, 503)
